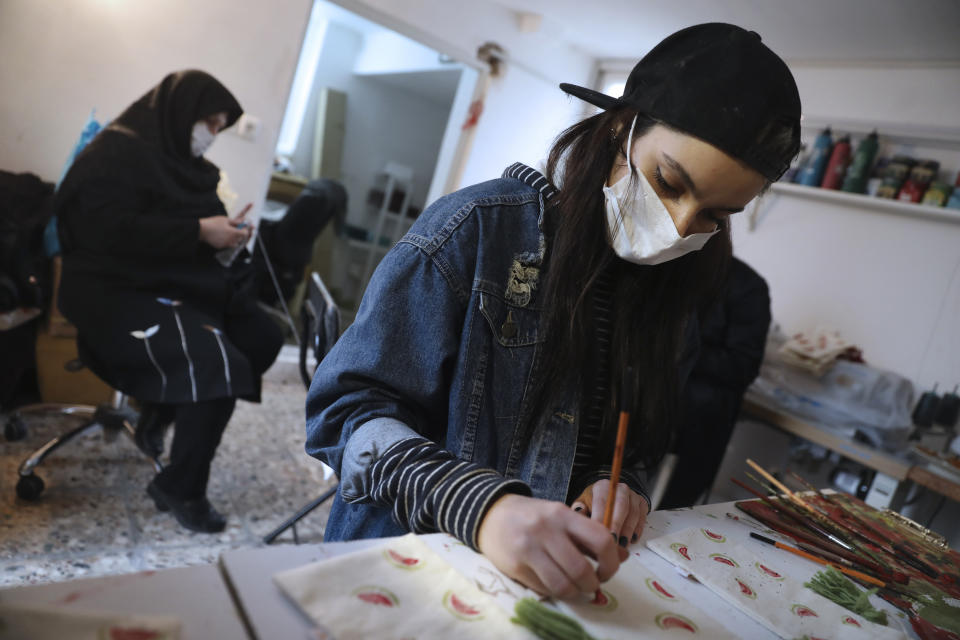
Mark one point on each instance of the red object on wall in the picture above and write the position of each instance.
(473, 114)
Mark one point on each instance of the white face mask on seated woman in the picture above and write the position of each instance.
(641, 228)
(201, 138)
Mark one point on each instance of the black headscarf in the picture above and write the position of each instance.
(148, 145)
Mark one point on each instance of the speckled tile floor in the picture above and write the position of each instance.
(94, 517)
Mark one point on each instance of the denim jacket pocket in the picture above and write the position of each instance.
(512, 326)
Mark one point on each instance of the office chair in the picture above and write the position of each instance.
(320, 319)
(111, 418)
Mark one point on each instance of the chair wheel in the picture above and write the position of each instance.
(29, 487)
(14, 429)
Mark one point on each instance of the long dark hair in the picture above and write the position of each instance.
(652, 304)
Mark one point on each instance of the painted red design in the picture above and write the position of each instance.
(770, 572)
(659, 589)
(746, 590)
(604, 601)
(712, 535)
(727, 560)
(681, 549)
(804, 611)
(675, 621)
(851, 620)
(461, 609)
(376, 596)
(404, 560)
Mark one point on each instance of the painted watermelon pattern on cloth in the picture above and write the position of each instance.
(604, 601)
(723, 559)
(659, 590)
(746, 590)
(401, 561)
(669, 621)
(378, 596)
(713, 536)
(681, 548)
(460, 608)
(764, 569)
(761, 584)
(803, 611)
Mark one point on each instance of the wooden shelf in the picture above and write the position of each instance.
(861, 201)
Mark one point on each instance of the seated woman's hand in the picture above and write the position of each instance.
(221, 232)
(544, 545)
(629, 509)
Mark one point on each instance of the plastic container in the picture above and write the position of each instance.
(917, 182)
(937, 194)
(837, 167)
(953, 202)
(894, 176)
(859, 171)
(811, 174)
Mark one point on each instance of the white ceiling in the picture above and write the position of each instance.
(800, 31)
(436, 86)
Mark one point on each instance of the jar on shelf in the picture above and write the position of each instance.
(894, 176)
(917, 182)
(937, 194)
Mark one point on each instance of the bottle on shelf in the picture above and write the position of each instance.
(837, 167)
(954, 201)
(859, 171)
(812, 172)
(936, 194)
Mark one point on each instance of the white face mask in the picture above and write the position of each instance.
(201, 138)
(641, 229)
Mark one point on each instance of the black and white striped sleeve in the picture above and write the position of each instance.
(429, 489)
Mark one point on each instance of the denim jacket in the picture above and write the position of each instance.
(446, 345)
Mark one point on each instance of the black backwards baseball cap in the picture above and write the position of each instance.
(720, 83)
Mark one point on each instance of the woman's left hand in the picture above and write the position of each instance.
(629, 509)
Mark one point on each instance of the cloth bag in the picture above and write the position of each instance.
(394, 591)
(762, 589)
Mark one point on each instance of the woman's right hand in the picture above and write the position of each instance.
(221, 232)
(544, 545)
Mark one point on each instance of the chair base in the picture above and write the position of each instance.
(110, 419)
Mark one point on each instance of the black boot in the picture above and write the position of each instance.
(151, 426)
(196, 515)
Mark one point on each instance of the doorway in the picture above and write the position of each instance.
(380, 114)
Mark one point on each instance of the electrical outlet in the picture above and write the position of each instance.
(248, 127)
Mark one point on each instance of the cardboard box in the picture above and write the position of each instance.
(59, 385)
(57, 325)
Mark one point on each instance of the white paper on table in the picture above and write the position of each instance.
(761, 590)
(50, 622)
(400, 589)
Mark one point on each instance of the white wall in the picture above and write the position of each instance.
(524, 110)
(889, 283)
(383, 123)
(58, 59)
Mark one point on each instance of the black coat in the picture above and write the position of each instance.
(733, 334)
(158, 317)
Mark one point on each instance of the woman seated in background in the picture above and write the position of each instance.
(478, 390)
(158, 316)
